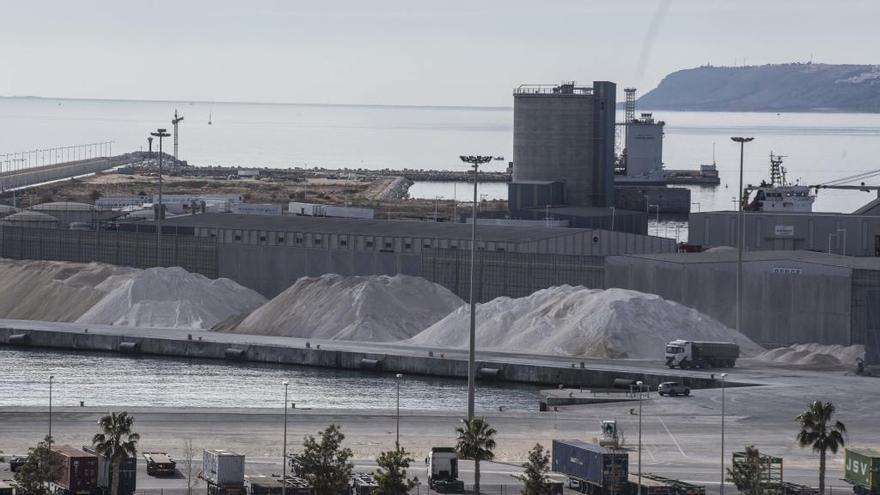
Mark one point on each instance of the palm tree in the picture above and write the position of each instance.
(116, 442)
(817, 434)
(476, 440)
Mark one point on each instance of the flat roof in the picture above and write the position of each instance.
(729, 255)
(357, 226)
(784, 213)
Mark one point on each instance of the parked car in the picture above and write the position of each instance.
(673, 389)
(16, 463)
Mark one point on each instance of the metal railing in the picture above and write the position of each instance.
(21, 160)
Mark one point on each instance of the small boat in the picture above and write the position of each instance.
(779, 195)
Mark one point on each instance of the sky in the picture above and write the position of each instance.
(403, 52)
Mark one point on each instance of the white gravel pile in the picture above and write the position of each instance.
(51, 290)
(377, 308)
(169, 297)
(818, 355)
(575, 321)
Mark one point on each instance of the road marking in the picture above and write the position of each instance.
(672, 436)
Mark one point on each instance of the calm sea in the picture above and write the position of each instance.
(817, 146)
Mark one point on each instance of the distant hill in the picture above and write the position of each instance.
(769, 88)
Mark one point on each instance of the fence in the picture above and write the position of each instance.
(509, 274)
(135, 249)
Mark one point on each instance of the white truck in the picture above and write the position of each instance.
(693, 354)
(443, 471)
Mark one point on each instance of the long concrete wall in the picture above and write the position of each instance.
(289, 351)
(48, 173)
(781, 305)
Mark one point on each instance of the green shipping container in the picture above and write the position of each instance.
(862, 467)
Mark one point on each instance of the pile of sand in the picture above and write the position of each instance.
(51, 290)
(376, 308)
(169, 297)
(575, 321)
(817, 355)
(115, 295)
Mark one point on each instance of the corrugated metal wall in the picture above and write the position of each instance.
(866, 313)
(509, 274)
(134, 249)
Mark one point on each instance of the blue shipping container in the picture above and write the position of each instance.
(589, 462)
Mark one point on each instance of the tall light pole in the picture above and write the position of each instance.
(284, 448)
(639, 385)
(176, 120)
(150, 145)
(474, 161)
(51, 379)
(723, 376)
(397, 436)
(160, 133)
(739, 235)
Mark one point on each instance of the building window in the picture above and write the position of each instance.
(427, 245)
(369, 244)
(317, 241)
(280, 239)
(343, 242)
(237, 237)
(299, 239)
(407, 245)
(262, 238)
(388, 245)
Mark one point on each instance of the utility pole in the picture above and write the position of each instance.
(739, 239)
(160, 133)
(284, 450)
(176, 120)
(475, 162)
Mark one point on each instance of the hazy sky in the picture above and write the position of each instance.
(446, 52)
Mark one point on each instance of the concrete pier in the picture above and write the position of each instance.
(366, 356)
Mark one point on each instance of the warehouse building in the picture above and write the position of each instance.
(788, 296)
(836, 233)
(269, 253)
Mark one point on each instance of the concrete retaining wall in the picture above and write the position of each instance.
(575, 374)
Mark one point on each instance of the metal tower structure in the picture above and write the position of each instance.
(777, 173)
(177, 119)
(630, 108)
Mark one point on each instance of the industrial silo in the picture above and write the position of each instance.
(565, 133)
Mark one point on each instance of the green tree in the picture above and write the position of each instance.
(746, 474)
(325, 464)
(116, 441)
(391, 475)
(535, 479)
(38, 470)
(817, 434)
(476, 441)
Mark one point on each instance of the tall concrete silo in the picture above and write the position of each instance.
(565, 133)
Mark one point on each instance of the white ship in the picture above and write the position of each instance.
(779, 195)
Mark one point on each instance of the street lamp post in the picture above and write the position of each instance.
(51, 378)
(397, 435)
(284, 448)
(613, 211)
(160, 133)
(639, 385)
(474, 161)
(739, 236)
(723, 376)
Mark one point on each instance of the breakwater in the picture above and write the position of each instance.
(382, 357)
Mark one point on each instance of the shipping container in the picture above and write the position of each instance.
(127, 473)
(298, 486)
(363, 484)
(262, 485)
(861, 468)
(77, 470)
(591, 468)
(5, 488)
(223, 468)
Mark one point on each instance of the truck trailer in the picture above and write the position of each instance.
(861, 469)
(443, 471)
(591, 468)
(159, 464)
(77, 471)
(127, 473)
(694, 354)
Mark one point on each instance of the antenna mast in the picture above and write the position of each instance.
(174, 122)
(777, 173)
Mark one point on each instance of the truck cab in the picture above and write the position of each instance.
(443, 471)
(159, 464)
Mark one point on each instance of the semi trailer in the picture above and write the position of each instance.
(443, 471)
(861, 469)
(695, 354)
(591, 468)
